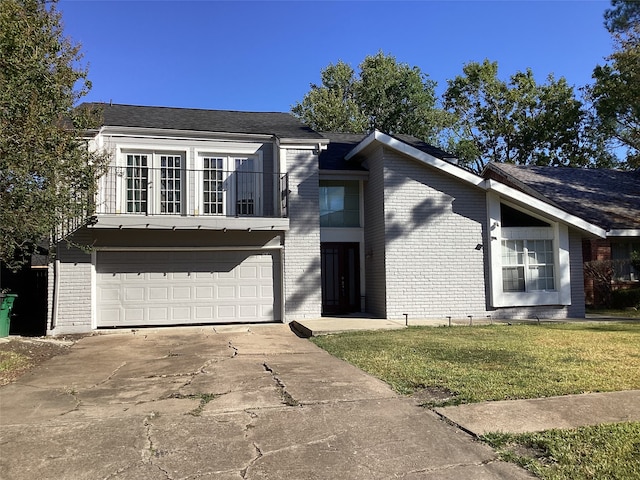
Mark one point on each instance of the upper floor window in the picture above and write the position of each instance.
(339, 203)
(232, 185)
(143, 171)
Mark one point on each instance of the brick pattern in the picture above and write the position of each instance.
(374, 237)
(433, 224)
(302, 287)
(74, 295)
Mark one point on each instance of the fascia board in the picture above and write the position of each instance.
(419, 155)
(624, 232)
(363, 145)
(173, 133)
(315, 143)
(544, 208)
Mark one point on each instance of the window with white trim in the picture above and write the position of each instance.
(529, 257)
(154, 183)
(527, 265)
(231, 185)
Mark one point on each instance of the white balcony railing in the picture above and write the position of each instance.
(141, 190)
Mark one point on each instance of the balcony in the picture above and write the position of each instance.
(137, 196)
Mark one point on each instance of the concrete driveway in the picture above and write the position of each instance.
(230, 403)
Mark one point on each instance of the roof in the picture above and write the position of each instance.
(605, 197)
(341, 144)
(282, 125)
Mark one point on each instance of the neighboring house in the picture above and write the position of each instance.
(220, 217)
(607, 198)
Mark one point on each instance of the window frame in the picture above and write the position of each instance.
(557, 232)
(354, 197)
(155, 195)
(623, 270)
(231, 165)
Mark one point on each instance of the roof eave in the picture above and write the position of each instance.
(624, 232)
(115, 130)
(402, 147)
(544, 208)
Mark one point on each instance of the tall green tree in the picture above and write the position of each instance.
(46, 171)
(616, 91)
(622, 15)
(386, 95)
(332, 106)
(517, 121)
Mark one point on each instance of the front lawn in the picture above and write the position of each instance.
(518, 361)
(498, 362)
(587, 453)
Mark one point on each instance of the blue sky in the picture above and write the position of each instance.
(262, 56)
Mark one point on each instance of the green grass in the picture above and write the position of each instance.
(600, 452)
(498, 362)
(519, 361)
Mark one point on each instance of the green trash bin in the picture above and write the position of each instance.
(5, 313)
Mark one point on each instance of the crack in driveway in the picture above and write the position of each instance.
(287, 399)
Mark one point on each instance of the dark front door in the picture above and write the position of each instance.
(340, 278)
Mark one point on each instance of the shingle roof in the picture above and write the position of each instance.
(282, 125)
(608, 198)
(342, 143)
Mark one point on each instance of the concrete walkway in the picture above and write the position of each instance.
(329, 325)
(223, 403)
(538, 414)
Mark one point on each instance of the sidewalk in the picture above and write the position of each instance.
(538, 414)
(329, 325)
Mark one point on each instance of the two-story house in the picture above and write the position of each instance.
(222, 217)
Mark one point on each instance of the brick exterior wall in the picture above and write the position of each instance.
(422, 228)
(374, 238)
(73, 314)
(302, 280)
(433, 223)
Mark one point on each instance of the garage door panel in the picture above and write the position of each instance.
(155, 288)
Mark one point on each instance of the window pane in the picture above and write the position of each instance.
(212, 186)
(527, 265)
(513, 279)
(339, 203)
(171, 173)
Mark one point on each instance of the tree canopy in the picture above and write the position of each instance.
(518, 121)
(622, 15)
(46, 171)
(616, 90)
(386, 95)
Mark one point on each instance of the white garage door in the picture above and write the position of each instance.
(173, 288)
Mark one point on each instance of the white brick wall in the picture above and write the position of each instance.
(302, 288)
(433, 224)
(374, 237)
(73, 313)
